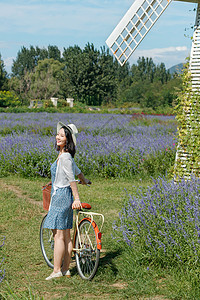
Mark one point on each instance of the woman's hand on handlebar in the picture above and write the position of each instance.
(76, 204)
(83, 180)
(86, 182)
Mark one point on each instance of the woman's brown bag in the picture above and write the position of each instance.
(46, 192)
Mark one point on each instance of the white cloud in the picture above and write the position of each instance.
(169, 56)
(9, 61)
(57, 17)
(162, 51)
(50, 17)
(69, 22)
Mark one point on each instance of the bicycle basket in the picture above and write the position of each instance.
(46, 193)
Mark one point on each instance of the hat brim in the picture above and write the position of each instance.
(61, 124)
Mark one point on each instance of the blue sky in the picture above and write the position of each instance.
(76, 22)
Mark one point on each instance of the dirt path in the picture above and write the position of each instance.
(19, 193)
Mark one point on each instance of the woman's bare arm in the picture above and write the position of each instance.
(82, 179)
(76, 204)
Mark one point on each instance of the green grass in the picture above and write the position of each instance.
(121, 108)
(118, 277)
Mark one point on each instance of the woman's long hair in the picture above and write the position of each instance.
(69, 147)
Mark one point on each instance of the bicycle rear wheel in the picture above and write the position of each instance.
(87, 258)
(47, 244)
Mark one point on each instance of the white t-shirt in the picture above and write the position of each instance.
(65, 171)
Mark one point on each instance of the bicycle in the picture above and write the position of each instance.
(86, 242)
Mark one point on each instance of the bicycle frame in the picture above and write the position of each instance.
(76, 229)
(90, 217)
(86, 242)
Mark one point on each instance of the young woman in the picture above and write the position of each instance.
(64, 198)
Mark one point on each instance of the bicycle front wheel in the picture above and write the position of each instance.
(47, 244)
(87, 256)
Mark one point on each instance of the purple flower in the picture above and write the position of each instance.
(107, 145)
(164, 220)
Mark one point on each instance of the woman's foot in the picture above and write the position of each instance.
(54, 275)
(66, 273)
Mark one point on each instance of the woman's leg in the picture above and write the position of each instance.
(68, 250)
(59, 248)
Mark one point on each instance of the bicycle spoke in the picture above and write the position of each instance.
(88, 237)
(88, 257)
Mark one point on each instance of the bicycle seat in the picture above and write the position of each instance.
(86, 205)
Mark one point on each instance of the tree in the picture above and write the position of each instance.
(3, 76)
(25, 62)
(107, 78)
(27, 59)
(46, 79)
(72, 58)
(21, 86)
(161, 74)
(145, 69)
(134, 93)
(91, 74)
(149, 85)
(54, 52)
(90, 88)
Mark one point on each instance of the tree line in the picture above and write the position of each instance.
(88, 75)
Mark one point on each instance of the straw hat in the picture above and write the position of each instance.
(71, 127)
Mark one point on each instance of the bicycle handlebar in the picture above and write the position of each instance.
(79, 182)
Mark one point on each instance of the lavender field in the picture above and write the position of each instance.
(161, 224)
(108, 145)
(156, 236)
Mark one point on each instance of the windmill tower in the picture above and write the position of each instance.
(126, 37)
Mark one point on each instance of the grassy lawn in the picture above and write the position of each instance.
(117, 277)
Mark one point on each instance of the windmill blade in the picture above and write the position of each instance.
(134, 26)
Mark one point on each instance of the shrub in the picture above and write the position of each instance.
(48, 103)
(188, 117)
(62, 103)
(8, 99)
(161, 224)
